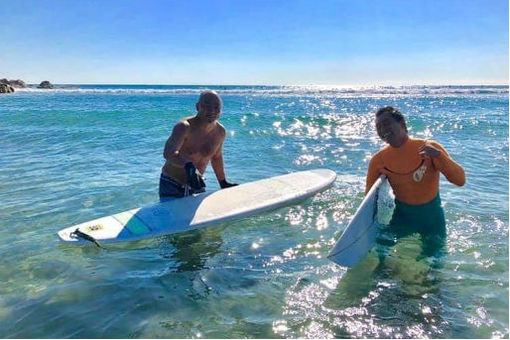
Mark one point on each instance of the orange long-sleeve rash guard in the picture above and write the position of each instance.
(399, 165)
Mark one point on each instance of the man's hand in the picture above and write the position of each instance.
(194, 177)
(428, 150)
(224, 184)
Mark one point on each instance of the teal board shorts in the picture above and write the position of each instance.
(427, 220)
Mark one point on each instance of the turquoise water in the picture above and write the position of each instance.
(81, 152)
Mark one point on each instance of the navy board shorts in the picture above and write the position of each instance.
(168, 187)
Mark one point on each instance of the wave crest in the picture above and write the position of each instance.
(276, 90)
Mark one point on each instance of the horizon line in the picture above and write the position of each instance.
(289, 85)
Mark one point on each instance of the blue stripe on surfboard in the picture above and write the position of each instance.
(132, 225)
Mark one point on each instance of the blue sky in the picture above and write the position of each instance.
(319, 42)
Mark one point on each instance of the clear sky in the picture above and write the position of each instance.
(320, 42)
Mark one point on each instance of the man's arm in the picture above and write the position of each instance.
(372, 173)
(174, 143)
(218, 166)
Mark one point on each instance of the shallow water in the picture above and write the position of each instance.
(81, 152)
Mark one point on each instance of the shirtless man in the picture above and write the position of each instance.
(412, 166)
(193, 143)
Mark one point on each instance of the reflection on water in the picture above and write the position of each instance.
(398, 297)
(192, 249)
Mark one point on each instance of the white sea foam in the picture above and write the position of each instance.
(333, 91)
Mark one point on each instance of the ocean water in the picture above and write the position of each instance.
(81, 152)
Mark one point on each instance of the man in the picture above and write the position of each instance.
(193, 143)
(412, 166)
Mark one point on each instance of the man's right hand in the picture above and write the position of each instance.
(428, 149)
(194, 177)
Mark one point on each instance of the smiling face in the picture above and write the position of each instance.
(209, 106)
(391, 130)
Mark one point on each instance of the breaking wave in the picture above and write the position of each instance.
(334, 91)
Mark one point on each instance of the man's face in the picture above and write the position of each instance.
(389, 130)
(209, 107)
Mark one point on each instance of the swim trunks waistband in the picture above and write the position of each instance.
(166, 178)
(433, 202)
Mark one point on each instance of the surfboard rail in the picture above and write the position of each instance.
(360, 234)
(204, 209)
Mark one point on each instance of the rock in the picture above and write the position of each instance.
(17, 83)
(6, 88)
(45, 85)
(14, 83)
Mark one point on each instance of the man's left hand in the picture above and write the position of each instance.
(224, 184)
(428, 150)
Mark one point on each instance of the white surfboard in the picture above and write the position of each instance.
(360, 235)
(202, 210)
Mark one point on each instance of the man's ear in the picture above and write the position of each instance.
(404, 125)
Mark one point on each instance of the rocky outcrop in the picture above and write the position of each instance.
(6, 88)
(17, 83)
(45, 85)
(14, 83)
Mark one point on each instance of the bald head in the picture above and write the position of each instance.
(209, 105)
(208, 95)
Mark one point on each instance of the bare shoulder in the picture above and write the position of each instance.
(182, 126)
(437, 145)
(376, 158)
(434, 143)
(187, 121)
(381, 152)
(220, 130)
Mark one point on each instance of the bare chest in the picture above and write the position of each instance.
(200, 145)
(403, 163)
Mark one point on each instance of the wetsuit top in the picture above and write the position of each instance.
(413, 178)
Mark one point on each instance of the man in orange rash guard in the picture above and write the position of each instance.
(412, 166)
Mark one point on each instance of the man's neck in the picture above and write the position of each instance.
(203, 124)
(402, 141)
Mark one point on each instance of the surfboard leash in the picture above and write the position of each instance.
(80, 234)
